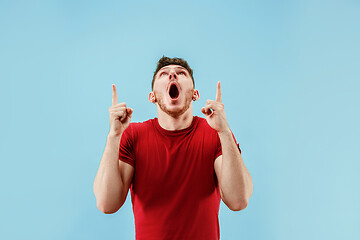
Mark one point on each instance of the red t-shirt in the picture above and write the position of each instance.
(174, 192)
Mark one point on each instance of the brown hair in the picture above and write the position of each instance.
(164, 61)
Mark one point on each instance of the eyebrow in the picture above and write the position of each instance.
(182, 68)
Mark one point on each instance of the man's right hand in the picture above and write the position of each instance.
(120, 115)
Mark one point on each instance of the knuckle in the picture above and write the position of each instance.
(120, 105)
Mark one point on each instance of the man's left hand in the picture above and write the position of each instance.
(215, 113)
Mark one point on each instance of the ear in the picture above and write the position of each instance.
(196, 95)
(152, 98)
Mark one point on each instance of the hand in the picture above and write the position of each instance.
(215, 113)
(120, 115)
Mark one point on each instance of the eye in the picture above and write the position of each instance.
(163, 74)
(183, 73)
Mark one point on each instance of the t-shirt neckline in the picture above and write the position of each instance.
(175, 132)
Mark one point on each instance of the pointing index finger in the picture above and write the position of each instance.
(218, 92)
(114, 95)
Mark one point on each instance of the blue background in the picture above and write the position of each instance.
(290, 82)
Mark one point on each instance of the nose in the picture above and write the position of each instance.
(172, 75)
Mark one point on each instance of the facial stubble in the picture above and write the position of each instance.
(177, 113)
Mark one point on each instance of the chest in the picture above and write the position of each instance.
(168, 161)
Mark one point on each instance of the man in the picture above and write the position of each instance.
(178, 166)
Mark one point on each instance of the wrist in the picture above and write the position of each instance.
(225, 132)
(114, 135)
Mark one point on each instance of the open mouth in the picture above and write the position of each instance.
(174, 91)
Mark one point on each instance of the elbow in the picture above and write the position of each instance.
(107, 210)
(108, 204)
(237, 205)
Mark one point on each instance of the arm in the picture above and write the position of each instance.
(114, 177)
(234, 179)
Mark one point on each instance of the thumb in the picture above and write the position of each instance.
(203, 110)
(206, 111)
(129, 112)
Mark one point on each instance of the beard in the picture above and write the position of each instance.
(175, 114)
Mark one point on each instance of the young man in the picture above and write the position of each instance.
(178, 166)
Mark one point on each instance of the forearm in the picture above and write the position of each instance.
(235, 182)
(108, 184)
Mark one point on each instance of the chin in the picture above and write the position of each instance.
(174, 111)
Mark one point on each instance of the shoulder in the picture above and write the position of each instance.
(141, 125)
(203, 124)
(136, 128)
(204, 128)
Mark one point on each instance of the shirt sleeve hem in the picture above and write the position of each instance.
(129, 161)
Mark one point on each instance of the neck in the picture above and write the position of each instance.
(171, 123)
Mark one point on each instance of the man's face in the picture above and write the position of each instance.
(173, 90)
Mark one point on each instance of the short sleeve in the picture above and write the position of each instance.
(126, 151)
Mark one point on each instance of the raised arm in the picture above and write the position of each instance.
(114, 177)
(234, 179)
